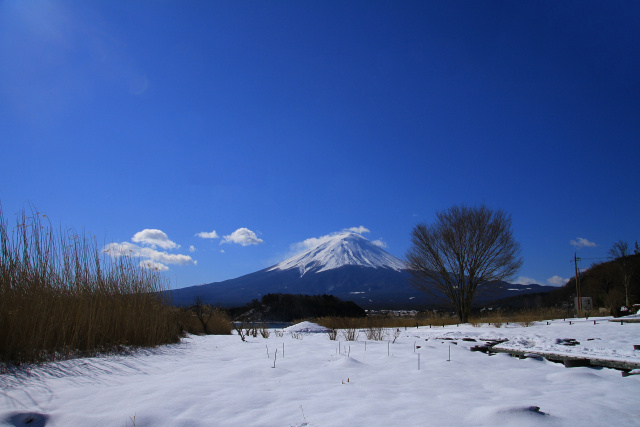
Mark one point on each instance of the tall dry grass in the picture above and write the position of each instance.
(61, 296)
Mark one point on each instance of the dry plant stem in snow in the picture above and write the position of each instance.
(239, 327)
(350, 334)
(350, 330)
(374, 329)
(333, 334)
(252, 330)
(61, 296)
(264, 332)
(375, 334)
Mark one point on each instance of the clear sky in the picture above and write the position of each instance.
(227, 132)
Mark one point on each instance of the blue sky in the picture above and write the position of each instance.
(148, 123)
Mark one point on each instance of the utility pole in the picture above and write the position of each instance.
(578, 295)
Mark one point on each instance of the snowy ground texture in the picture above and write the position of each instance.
(222, 381)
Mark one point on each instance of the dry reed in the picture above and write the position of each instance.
(63, 296)
(377, 322)
(376, 326)
(523, 317)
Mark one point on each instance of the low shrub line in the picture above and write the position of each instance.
(376, 327)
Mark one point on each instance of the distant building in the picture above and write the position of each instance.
(587, 303)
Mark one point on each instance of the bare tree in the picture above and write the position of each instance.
(621, 255)
(465, 250)
(203, 312)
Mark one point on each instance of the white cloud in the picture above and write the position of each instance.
(153, 238)
(152, 265)
(557, 281)
(192, 248)
(581, 242)
(165, 257)
(242, 236)
(129, 249)
(359, 230)
(208, 234)
(309, 243)
(554, 281)
(221, 251)
(379, 243)
(522, 280)
(147, 253)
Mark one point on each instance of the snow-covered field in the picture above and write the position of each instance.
(422, 379)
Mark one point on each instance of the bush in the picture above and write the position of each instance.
(216, 320)
(62, 296)
(350, 334)
(375, 328)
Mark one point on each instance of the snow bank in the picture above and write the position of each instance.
(306, 327)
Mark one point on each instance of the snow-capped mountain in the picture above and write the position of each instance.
(345, 265)
(338, 250)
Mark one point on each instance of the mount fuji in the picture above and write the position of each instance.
(345, 265)
(339, 250)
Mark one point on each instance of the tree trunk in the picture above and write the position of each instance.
(204, 325)
(626, 291)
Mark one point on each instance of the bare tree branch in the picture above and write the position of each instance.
(621, 255)
(464, 252)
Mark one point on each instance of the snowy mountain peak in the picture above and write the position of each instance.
(338, 250)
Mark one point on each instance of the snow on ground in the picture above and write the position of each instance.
(220, 380)
(602, 340)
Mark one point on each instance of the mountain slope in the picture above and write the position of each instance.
(345, 265)
(339, 250)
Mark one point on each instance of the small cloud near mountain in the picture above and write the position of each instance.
(557, 281)
(208, 234)
(359, 230)
(581, 242)
(242, 236)
(553, 281)
(522, 280)
(379, 243)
